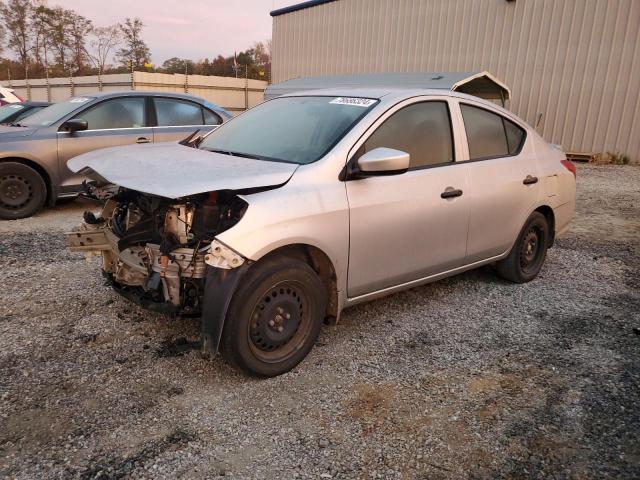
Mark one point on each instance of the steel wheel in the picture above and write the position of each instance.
(22, 191)
(529, 251)
(279, 322)
(274, 317)
(15, 192)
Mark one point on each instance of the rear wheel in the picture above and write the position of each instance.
(529, 252)
(22, 191)
(275, 317)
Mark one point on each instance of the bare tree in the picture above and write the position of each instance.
(59, 24)
(104, 40)
(79, 28)
(135, 52)
(16, 15)
(40, 34)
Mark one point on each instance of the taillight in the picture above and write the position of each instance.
(569, 166)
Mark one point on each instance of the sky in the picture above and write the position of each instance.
(187, 28)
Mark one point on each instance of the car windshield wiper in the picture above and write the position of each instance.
(249, 155)
(15, 124)
(239, 154)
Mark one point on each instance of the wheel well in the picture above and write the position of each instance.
(551, 221)
(321, 264)
(41, 171)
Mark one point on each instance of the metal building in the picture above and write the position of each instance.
(573, 66)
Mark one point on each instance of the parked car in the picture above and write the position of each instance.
(15, 112)
(310, 203)
(8, 95)
(33, 155)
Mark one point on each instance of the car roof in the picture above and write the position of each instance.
(393, 95)
(138, 93)
(34, 104)
(380, 92)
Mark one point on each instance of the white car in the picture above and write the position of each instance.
(8, 95)
(312, 202)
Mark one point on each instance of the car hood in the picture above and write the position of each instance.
(7, 132)
(172, 170)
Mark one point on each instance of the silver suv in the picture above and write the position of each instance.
(34, 152)
(310, 203)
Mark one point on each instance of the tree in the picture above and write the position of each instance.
(135, 52)
(60, 20)
(177, 65)
(79, 29)
(103, 41)
(40, 34)
(16, 15)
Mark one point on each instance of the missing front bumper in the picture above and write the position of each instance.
(185, 281)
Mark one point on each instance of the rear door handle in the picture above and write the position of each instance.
(143, 140)
(451, 193)
(530, 180)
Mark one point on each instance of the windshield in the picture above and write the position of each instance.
(53, 113)
(9, 110)
(289, 129)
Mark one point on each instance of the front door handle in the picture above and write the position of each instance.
(451, 193)
(530, 180)
(143, 140)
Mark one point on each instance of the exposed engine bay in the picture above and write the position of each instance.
(155, 250)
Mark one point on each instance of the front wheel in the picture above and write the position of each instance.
(529, 252)
(274, 317)
(22, 191)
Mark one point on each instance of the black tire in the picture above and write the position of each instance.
(274, 317)
(529, 252)
(23, 191)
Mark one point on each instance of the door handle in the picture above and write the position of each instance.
(143, 140)
(530, 180)
(451, 193)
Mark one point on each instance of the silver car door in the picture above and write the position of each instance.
(113, 122)
(503, 180)
(412, 225)
(177, 119)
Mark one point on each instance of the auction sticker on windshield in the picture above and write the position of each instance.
(353, 101)
(79, 100)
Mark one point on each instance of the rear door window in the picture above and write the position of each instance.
(125, 112)
(423, 130)
(172, 112)
(489, 134)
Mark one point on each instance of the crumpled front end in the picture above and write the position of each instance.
(155, 251)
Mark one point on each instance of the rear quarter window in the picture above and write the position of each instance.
(211, 118)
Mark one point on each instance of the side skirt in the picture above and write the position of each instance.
(421, 281)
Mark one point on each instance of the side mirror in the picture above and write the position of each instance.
(75, 125)
(382, 161)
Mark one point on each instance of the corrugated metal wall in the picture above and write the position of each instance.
(575, 62)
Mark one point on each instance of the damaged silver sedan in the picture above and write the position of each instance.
(309, 203)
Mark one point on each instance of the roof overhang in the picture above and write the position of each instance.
(480, 84)
(298, 6)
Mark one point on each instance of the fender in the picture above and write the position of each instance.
(219, 287)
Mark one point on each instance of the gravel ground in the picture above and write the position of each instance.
(470, 377)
